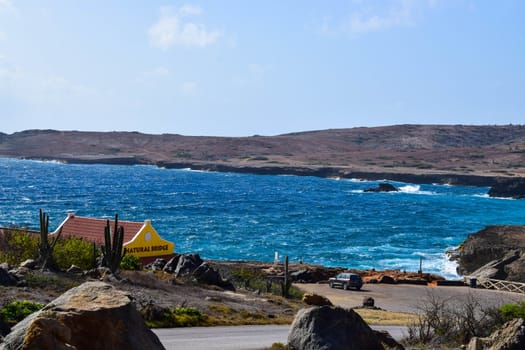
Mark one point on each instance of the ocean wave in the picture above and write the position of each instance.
(415, 189)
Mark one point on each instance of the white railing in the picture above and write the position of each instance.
(489, 283)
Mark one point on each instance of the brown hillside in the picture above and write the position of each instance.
(415, 149)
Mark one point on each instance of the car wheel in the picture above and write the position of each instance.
(357, 288)
(345, 286)
(331, 285)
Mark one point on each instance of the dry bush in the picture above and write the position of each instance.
(452, 321)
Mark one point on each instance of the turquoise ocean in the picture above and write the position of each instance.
(228, 216)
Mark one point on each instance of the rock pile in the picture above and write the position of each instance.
(191, 266)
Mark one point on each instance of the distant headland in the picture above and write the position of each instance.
(490, 155)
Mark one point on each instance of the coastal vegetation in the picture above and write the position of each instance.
(15, 311)
(452, 321)
(112, 252)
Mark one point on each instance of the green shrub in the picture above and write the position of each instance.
(16, 311)
(512, 311)
(16, 246)
(178, 317)
(130, 262)
(74, 251)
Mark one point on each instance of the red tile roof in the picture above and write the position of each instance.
(92, 230)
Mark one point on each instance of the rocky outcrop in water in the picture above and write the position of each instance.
(94, 315)
(335, 328)
(508, 188)
(494, 252)
(383, 187)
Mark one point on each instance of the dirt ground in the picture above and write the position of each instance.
(408, 298)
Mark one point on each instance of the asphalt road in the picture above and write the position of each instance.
(403, 298)
(236, 338)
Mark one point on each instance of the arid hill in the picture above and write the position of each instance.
(444, 151)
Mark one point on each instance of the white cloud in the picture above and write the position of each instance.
(401, 13)
(366, 16)
(172, 29)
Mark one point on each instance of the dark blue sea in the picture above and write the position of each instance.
(229, 216)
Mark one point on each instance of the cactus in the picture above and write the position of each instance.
(112, 252)
(45, 249)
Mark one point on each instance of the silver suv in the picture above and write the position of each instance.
(346, 281)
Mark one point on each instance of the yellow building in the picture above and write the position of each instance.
(140, 238)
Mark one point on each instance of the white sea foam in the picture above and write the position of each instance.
(414, 189)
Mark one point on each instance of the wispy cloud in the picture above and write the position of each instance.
(366, 17)
(174, 28)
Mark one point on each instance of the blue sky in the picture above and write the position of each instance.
(239, 68)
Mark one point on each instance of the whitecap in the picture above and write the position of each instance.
(414, 189)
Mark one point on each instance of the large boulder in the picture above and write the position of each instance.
(187, 264)
(171, 265)
(503, 268)
(94, 315)
(491, 245)
(508, 188)
(511, 336)
(208, 275)
(335, 328)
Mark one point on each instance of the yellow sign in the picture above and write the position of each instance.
(147, 242)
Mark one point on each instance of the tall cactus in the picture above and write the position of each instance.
(112, 252)
(45, 248)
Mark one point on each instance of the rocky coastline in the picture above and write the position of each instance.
(496, 252)
(487, 156)
(502, 187)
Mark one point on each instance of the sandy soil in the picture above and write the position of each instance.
(407, 298)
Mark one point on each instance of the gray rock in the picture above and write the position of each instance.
(74, 269)
(7, 279)
(368, 302)
(157, 265)
(94, 315)
(487, 245)
(497, 268)
(335, 328)
(171, 265)
(187, 264)
(29, 263)
(208, 275)
(511, 336)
